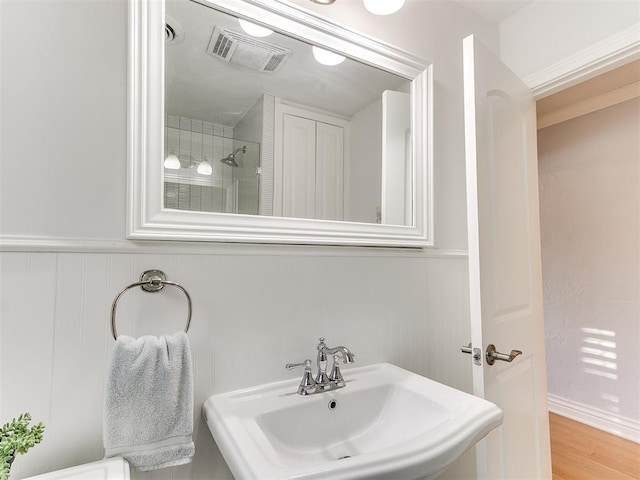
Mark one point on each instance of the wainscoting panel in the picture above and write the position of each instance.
(251, 315)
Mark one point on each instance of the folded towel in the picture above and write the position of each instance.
(148, 408)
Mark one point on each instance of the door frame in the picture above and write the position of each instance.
(599, 58)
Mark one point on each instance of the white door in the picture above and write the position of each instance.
(504, 265)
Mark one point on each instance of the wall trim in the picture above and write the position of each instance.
(590, 105)
(24, 243)
(595, 417)
(600, 57)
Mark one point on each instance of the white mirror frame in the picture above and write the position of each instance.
(147, 219)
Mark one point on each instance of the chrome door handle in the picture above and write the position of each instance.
(493, 355)
(466, 348)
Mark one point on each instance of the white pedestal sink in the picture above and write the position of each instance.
(386, 423)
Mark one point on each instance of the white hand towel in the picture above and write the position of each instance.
(148, 408)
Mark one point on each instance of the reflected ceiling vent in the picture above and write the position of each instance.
(247, 51)
(173, 31)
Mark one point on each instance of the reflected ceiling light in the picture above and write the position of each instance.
(325, 57)
(204, 168)
(383, 7)
(253, 29)
(172, 162)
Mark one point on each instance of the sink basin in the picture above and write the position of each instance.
(386, 423)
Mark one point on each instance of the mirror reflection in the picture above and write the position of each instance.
(260, 123)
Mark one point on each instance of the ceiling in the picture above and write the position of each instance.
(496, 11)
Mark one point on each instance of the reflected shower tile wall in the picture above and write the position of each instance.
(171, 195)
(172, 140)
(227, 189)
(197, 150)
(179, 137)
(185, 123)
(193, 141)
(207, 146)
(172, 121)
(184, 146)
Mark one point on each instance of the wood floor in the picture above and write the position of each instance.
(580, 452)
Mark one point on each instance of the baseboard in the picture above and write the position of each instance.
(595, 417)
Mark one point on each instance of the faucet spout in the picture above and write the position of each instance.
(344, 352)
(322, 379)
(323, 351)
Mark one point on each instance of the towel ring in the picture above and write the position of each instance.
(150, 281)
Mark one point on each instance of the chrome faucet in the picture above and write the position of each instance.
(323, 382)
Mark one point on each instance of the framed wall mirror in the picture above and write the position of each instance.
(257, 121)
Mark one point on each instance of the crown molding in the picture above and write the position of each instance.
(612, 52)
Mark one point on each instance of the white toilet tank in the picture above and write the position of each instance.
(110, 469)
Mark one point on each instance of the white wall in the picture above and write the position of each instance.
(63, 89)
(547, 31)
(365, 164)
(62, 205)
(589, 171)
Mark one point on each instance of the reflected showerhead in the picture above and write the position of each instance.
(230, 159)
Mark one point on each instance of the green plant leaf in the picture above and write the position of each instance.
(17, 437)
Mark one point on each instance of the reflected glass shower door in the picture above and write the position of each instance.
(246, 178)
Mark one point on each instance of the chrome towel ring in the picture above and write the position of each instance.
(150, 281)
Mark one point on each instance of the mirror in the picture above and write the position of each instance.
(258, 139)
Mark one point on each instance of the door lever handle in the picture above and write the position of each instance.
(493, 355)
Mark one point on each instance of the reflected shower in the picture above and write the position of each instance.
(231, 158)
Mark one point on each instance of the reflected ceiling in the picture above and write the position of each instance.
(231, 90)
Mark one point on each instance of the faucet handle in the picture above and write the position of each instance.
(306, 364)
(335, 376)
(307, 384)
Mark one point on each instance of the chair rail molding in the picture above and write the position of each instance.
(23, 243)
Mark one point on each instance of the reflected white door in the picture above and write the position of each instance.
(312, 184)
(298, 167)
(504, 264)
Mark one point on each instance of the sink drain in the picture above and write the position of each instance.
(346, 456)
(332, 405)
